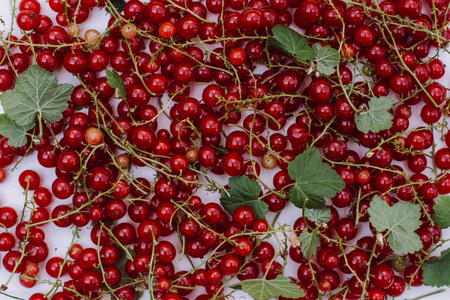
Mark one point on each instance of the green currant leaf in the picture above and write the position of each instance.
(36, 92)
(310, 241)
(17, 135)
(118, 4)
(327, 59)
(314, 180)
(121, 265)
(376, 117)
(291, 42)
(400, 220)
(244, 191)
(116, 82)
(261, 289)
(436, 272)
(442, 211)
(318, 215)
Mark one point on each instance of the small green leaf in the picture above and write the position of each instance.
(262, 289)
(139, 294)
(310, 241)
(376, 117)
(116, 82)
(327, 59)
(291, 42)
(244, 191)
(17, 135)
(436, 272)
(36, 92)
(318, 215)
(401, 220)
(442, 211)
(314, 180)
(118, 4)
(121, 265)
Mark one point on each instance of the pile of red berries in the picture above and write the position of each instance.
(233, 104)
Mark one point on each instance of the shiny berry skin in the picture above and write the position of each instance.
(165, 252)
(251, 19)
(27, 20)
(244, 216)
(8, 216)
(230, 264)
(115, 209)
(400, 83)
(29, 180)
(167, 30)
(413, 275)
(233, 164)
(11, 262)
(55, 267)
(211, 213)
(260, 225)
(88, 258)
(409, 8)
(320, 90)
(165, 189)
(74, 136)
(157, 84)
(327, 258)
(437, 94)
(7, 241)
(188, 27)
(90, 280)
(99, 179)
(289, 81)
(32, 5)
(264, 251)
(382, 276)
(237, 56)
(305, 273)
(143, 137)
(328, 280)
(397, 288)
(36, 252)
(210, 126)
(56, 35)
(346, 229)
(7, 80)
(437, 68)
(307, 13)
(125, 233)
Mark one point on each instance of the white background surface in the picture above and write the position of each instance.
(58, 239)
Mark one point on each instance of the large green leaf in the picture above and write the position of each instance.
(376, 116)
(400, 220)
(318, 215)
(327, 59)
(244, 191)
(119, 5)
(17, 135)
(442, 211)
(314, 180)
(116, 82)
(310, 241)
(436, 272)
(291, 42)
(36, 92)
(262, 289)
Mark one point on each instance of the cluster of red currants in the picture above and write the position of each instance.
(162, 50)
